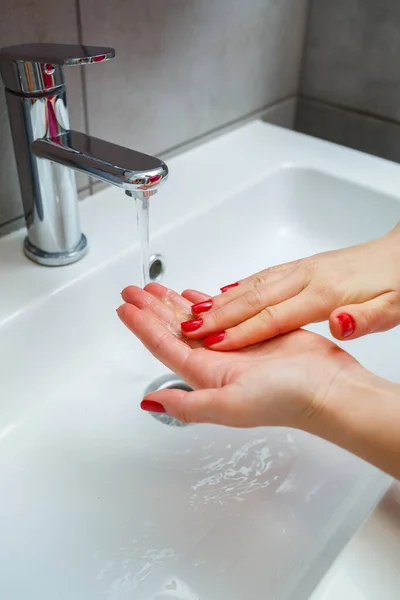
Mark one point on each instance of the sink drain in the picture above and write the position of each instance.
(156, 267)
(168, 382)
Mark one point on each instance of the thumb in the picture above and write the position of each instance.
(355, 320)
(219, 406)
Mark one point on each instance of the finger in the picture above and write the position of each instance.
(355, 320)
(266, 274)
(195, 296)
(244, 307)
(168, 296)
(155, 335)
(268, 277)
(149, 303)
(222, 406)
(272, 321)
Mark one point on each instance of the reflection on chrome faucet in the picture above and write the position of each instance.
(48, 153)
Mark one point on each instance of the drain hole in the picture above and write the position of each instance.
(168, 382)
(156, 267)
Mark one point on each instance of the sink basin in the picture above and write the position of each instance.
(98, 499)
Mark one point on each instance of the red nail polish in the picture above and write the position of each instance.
(214, 338)
(151, 406)
(193, 325)
(347, 324)
(202, 307)
(229, 287)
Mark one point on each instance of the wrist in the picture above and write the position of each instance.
(392, 240)
(361, 413)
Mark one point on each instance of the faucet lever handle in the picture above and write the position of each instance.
(37, 68)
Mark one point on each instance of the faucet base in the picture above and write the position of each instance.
(55, 259)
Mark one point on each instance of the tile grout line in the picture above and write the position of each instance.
(302, 69)
(10, 221)
(349, 109)
(79, 27)
(251, 115)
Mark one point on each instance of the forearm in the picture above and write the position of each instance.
(363, 417)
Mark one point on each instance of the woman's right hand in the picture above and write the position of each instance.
(356, 288)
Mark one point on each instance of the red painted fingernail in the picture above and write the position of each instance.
(151, 406)
(347, 324)
(214, 338)
(202, 307)
(228, 287)
(193, 325)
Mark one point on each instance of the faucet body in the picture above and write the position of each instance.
(48, 152)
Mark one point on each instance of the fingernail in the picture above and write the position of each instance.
(210, 340)
(228, 287)
(151, 406)
(202, 307)
(347, 324)
(193, 325)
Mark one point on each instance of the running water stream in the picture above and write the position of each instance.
(142, 207)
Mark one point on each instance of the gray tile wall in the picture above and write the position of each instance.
(350, 84)
(183, 69)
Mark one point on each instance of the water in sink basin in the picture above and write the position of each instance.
(101, 501)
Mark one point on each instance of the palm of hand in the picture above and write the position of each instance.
(280, 378)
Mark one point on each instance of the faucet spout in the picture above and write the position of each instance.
(134, 172)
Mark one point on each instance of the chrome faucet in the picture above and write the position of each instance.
(48, 153)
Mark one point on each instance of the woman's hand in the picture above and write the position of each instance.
(285, 381)
(299, 380)
(357, 289)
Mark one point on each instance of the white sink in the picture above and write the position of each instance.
(99, 500)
